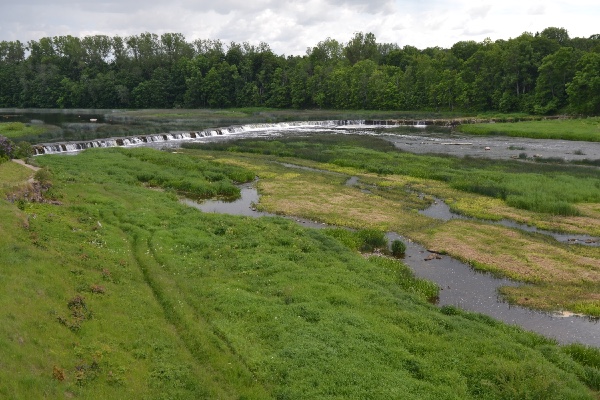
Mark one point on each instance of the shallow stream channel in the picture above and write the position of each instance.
(460, 285)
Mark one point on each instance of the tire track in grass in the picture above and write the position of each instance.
(223, 367)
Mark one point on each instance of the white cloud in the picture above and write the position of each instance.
(289, 27)
(480, 11)
(538, 9)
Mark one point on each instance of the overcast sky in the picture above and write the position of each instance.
(289, 27)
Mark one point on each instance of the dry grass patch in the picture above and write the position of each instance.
(309, 197)
(483, 207)
(13, 175)
(579, 299)
(512, 253)
(563, 276)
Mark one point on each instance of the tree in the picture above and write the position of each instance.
(465, 49)
(12, 58)
(584, 90)
(279, 93)
(97, 52)
(555, 72)
(173, 47)
(361, 90)
(482, 76)
(560, 35)
(326, 52)
(361, 47)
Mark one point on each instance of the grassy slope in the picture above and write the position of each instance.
(181, 304)
(568, 129)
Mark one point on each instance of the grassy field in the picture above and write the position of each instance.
(116, 290)
(587, 129)
(548, 189)
(390, 200)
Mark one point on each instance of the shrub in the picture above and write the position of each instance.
(23, 150)
(371, 239)
(43, 176)
(398, 248)
(6, 147)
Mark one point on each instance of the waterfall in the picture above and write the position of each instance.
(67, 147)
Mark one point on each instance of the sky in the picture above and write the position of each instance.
(290, 27)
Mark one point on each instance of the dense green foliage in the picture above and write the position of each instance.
(534, 73)
(123, 292)
(542, 188)
(9, 149)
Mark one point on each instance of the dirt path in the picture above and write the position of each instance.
(23, 163)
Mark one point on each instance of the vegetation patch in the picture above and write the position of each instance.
(587, 129)
(391, 201)
(198, 305)
(549, 189)
(16, 130)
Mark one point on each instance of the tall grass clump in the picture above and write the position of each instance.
(192, 177)
(398, 248)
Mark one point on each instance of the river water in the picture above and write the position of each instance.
(440, 210)
(459, 284)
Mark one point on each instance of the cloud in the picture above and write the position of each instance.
(289, 27)
(538, 9)
(364, 6)
(480, 11)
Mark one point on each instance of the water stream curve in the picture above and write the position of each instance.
(459, 284)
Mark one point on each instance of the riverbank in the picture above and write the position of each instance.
(123, 292)
(389, 201)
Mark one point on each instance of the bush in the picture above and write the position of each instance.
(23, 150)
(398, 248)
(43, 176)
(371, 239)
(6, 147)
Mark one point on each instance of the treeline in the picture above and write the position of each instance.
(543, 73)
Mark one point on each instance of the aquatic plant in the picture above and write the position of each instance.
(398, 248)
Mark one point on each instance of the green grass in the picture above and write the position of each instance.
(390, 202)
(182, 304)
(17, 130)
(541, 188)
(587, 129)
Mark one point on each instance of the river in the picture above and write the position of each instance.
(459, 284)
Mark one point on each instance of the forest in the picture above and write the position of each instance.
(543, 73)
